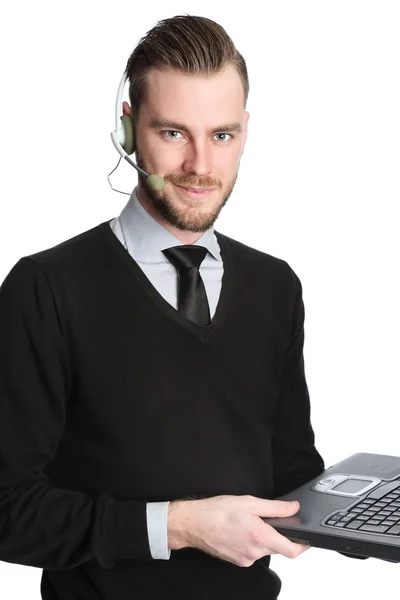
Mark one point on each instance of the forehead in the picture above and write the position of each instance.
(172, 90)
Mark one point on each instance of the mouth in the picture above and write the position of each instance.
(195, 192)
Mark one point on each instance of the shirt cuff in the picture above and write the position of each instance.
(157, 517)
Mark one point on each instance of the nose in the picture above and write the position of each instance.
(198, 160)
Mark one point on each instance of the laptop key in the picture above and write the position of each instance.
(346, 519)
(374, 528)
(395, 530)
(355, 524)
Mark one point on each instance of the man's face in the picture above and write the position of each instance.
(182, 135)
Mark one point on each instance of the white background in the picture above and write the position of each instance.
(318, 186)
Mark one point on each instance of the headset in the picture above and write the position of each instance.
(123, 138)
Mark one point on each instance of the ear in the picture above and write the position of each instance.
(126, 109)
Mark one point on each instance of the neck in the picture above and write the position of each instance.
(186, 237)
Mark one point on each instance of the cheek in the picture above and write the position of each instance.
(165, 159)
(228, 161)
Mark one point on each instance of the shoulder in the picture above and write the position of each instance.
(78, 251)
(59, 269)
(252, 258)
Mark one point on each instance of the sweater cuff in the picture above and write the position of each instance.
(125, 530)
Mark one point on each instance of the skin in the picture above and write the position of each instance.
(202, 156)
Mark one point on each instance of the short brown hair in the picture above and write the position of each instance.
(187, 43)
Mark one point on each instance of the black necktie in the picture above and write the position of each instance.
(192, 298)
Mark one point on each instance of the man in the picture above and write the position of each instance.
(152, 385)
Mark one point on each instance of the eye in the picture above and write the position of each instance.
(224, 134)
(170, 131)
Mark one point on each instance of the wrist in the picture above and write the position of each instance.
(180, 524)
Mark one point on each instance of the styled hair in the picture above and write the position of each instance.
(190, 44)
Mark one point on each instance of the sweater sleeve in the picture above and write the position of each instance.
(295, 457)
(296, 460)
(42, 525)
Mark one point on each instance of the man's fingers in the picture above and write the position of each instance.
(282, 545)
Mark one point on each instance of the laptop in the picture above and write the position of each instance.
(352, 507)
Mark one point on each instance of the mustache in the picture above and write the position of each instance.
(187, 181)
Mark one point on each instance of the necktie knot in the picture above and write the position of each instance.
(185, 257)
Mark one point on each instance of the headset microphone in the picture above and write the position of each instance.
(123, 138)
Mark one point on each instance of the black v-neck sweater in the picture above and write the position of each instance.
(110, 398)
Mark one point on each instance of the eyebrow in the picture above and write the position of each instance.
(228, 127)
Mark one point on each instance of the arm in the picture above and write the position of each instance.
(42, 525)
(296, 460)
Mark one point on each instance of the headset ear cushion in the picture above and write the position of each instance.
(129, 133)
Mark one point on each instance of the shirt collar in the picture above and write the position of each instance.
(146, 237)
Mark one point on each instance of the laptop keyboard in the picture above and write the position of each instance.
(379, 512)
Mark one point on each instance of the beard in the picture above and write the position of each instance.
(191, 219)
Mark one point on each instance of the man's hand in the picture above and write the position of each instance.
(230, 528)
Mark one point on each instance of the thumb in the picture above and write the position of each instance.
(278, 508)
